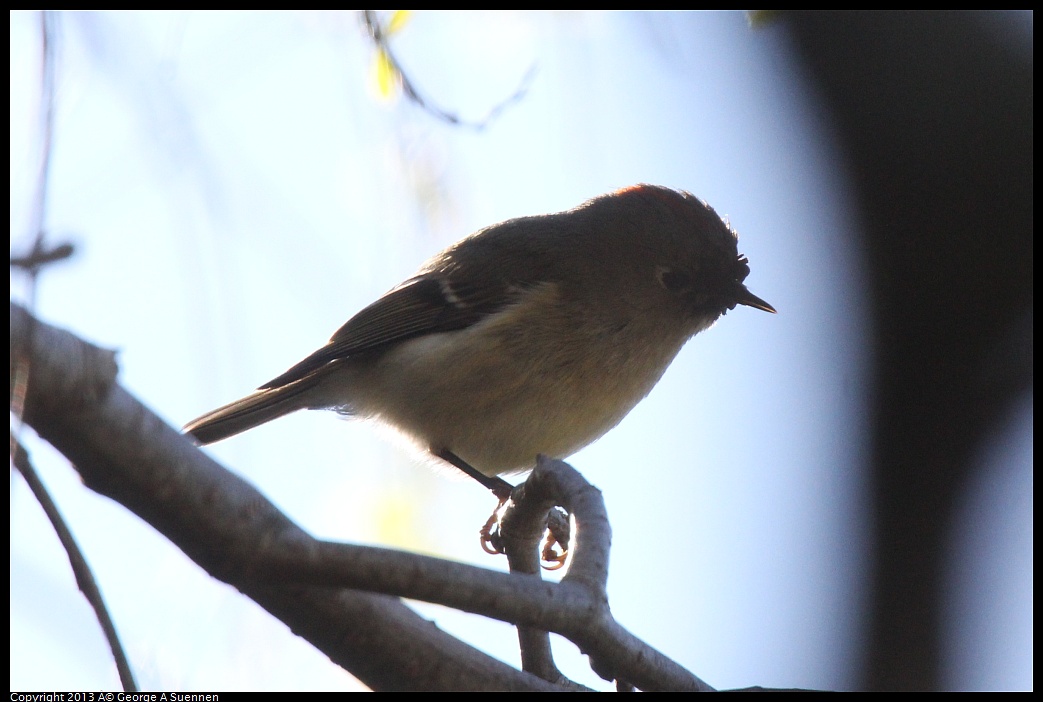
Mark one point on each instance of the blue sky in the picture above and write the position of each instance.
(237, 189)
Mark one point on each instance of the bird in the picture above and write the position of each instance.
(536, 335)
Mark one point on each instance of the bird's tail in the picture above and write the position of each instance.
(249, 412)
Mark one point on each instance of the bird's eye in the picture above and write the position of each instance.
(674, 281)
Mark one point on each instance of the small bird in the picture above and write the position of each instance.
(533, 336)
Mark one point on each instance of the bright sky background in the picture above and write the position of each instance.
(237, 190)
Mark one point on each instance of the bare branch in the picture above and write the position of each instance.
(124, 451)
(521, 529)
(380, 39)
(80, 568)
(39, 257)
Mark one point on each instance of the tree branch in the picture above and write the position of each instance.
(124, 451)
(80, 568)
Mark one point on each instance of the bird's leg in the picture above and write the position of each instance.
(497, 486)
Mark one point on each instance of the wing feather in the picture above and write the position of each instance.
(428, 304)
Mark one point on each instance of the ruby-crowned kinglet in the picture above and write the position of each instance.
(535, 335)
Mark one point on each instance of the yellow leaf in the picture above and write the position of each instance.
(385, 75)
(397, 21)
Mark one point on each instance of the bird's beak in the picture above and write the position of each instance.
(745, 297)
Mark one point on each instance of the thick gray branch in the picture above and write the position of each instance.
(124, 451)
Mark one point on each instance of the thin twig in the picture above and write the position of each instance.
(47, 68)
(36, 233)
(38, 256)
(380, 39)
(80, 568)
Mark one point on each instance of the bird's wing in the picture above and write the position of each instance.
(427, 304)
